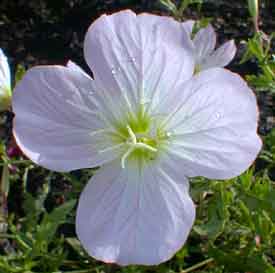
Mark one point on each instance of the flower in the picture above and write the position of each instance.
(204, 43)
(5, 82)
(148, 122)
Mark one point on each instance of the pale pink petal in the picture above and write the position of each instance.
(205, 42)
(127, 216)
(221, 56)
(213, 124)
(75, 67)
(138, 58)
(56, 122)
(5, 80)
(188, 26)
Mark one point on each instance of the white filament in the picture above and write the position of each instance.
(134, 144)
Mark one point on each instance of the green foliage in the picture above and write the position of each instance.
(259, 48)
(178, 10)
(37, 247)
(19, 73)
(237, 218)
(268, 153)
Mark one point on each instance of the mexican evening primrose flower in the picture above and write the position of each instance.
(204, 43)
(148, 122)
(5, 82)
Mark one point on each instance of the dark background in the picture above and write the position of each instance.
(52, 31)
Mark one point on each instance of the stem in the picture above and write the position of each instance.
(16, 238)
(16, 162)
(76, 271)
(7, 236)
(184, 4)
(256, 24)
(196, 266)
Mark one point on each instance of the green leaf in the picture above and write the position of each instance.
(51, 221)
(218, 213)
(20, 71)
(233, 261)
(34, 206)
(254, 203)
(49, 224)
(75, 244)
(185, 3)
(255, 47)
(169, 5)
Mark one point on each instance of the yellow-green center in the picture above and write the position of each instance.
(141, 137)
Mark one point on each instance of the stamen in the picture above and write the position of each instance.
(111, 148)
(101, 131)
(133, 145)
(125, 156)
(145, 146)
(132, 135)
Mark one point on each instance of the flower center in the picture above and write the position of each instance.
(139, 147)
(142, 139)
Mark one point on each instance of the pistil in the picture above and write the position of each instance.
(134, 144)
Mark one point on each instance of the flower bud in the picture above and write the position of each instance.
(253, 7)
(5, 83)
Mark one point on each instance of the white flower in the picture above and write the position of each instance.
(5, 82)
(204, 44)
(147, 122)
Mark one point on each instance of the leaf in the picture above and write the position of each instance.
(51, 221)
(169, 5)
(218, 213)
(233, 261)
(34, 206)
(75, 244)
(49, 224)
(20, 71)
(255, 203)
